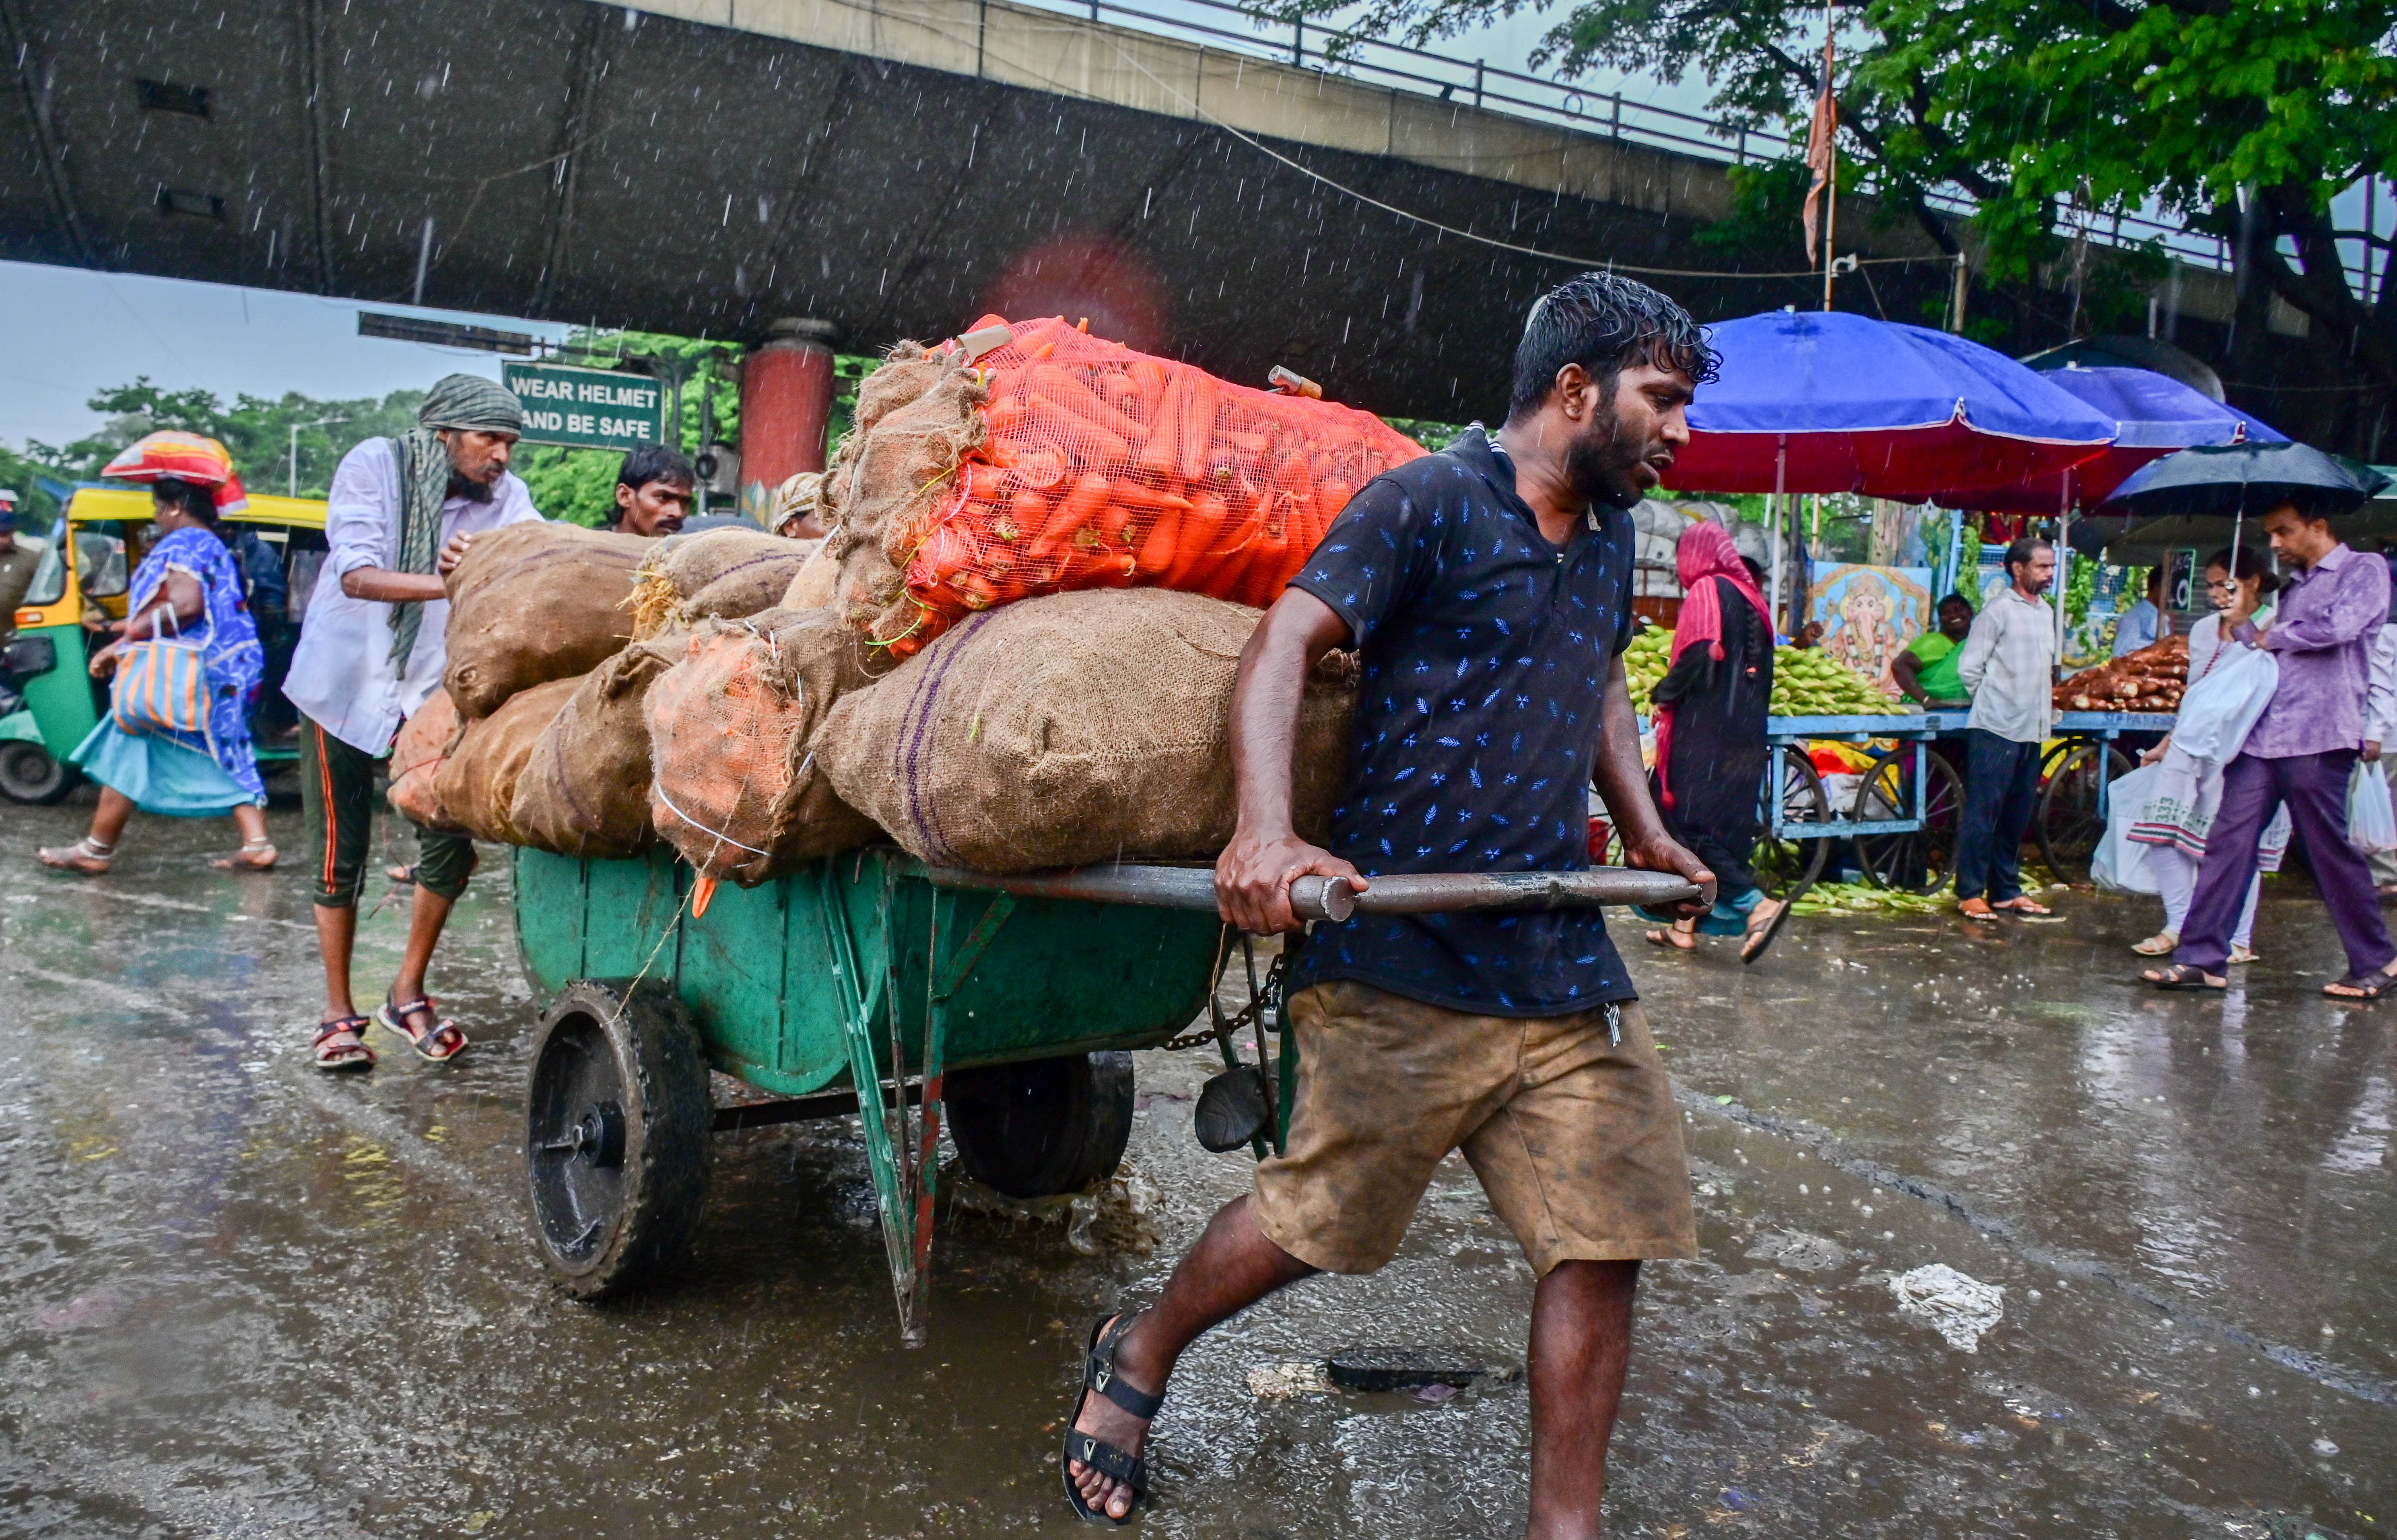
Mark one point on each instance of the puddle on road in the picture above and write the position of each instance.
(240, 1298)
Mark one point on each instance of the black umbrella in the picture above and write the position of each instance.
(2244, 481)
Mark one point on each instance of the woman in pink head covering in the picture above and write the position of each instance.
(1710, 750)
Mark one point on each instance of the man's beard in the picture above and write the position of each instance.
(1601, 462)
(471, 489)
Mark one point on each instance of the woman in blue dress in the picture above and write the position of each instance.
(190, 585)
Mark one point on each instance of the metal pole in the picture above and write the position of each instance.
(1955, 305)
(291, 488)
(1193, 888)
(424, 261)
(1298, 44)
(706, 424)
(1831, 159)
(1480, 64)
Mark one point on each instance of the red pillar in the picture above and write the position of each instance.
(786, 404)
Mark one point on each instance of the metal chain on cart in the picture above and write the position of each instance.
(1265, 998)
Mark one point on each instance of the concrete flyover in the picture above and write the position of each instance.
(893, 168)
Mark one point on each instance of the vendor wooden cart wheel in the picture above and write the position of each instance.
(2070, 823)
(1042, 1126)
(1788, 867)
(616, 1135)
(1920, 861)
(28, 774)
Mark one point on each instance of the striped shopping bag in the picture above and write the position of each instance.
(161, 688)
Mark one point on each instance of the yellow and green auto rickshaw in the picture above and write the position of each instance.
(86, 568)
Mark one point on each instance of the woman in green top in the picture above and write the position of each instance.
(1926, 670)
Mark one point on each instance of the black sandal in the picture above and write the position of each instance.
(1099, 1374)
(2364, 988)
(2182, 975)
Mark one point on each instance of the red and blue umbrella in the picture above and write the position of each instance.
(2153, 416)
(1826, 401)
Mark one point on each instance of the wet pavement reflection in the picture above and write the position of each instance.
(239, 1297)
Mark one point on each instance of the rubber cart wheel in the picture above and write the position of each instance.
(1785, 869)
(1920, 861)
(28, 774)
(2068, 823)
(1042, 1126)
(617, 1136)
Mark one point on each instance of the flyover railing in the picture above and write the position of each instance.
(1477, 83)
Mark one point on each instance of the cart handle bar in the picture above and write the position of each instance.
(1332, 898)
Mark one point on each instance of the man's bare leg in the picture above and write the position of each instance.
(1232, 1268)
(1581, 1343)
(337, 934)
(426, 916)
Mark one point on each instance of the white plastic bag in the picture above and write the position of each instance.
(2119, 864)
(2371, 821)
(2220, 708)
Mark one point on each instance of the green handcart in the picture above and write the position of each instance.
(869, 983)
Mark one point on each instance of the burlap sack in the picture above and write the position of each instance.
(734, 789)
(891, 467)
(424, 740)
(585, 790)
(723, 573)
(817, 585)
(478, 782)
(1076, 728)
(536, 602)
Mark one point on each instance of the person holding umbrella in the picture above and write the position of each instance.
(2303, 748)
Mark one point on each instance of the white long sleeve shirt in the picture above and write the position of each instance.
(2380, 696)
(2009, 664)
(341, 676)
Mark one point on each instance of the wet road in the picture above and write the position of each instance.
(238, 1297)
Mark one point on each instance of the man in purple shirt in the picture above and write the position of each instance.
(2301, 752)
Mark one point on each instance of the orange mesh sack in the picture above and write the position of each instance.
(536, 601)
(1102, 467)
(1072, 728)
(477, 784)
(734, 789)
(424, 740)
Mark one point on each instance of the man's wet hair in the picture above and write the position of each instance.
(1604, 322)
(2020, 552)
(648, 463)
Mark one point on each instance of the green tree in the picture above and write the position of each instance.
(2239, 118)
(257, 431)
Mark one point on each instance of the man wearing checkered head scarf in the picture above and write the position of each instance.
(401, 514)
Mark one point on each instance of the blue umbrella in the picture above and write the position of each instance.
(1823, 401)
(2152, 414)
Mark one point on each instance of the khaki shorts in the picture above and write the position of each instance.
(1576, 1140)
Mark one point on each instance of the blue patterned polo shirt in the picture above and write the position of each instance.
(1485, 654)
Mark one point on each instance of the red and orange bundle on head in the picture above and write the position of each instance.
(1103, 467)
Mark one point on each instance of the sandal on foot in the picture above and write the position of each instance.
(1763, 924)
(2183, 975)
(1099, 1374)
(2361, 988)
(2161, 944)
(1977, 908)
(2022, 905)
(1679, 941)
(401, 875)
(87, 856)
(255, 855)
(436, 1044)
(351, 1054)
(2242, 954)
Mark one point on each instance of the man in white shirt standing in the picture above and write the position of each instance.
(401, 514)
(2009, 664)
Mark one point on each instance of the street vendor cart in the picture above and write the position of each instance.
(2085, 760)
(1886, 817)
(869, 983)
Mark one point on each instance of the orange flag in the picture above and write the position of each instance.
(1819, 140)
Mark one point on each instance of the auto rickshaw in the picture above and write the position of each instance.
(86, 570)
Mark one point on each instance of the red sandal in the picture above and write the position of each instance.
(436, 1044)
(354, 1054)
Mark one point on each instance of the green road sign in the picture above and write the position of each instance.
(586, 409)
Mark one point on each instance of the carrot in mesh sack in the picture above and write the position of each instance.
(1102, 467)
